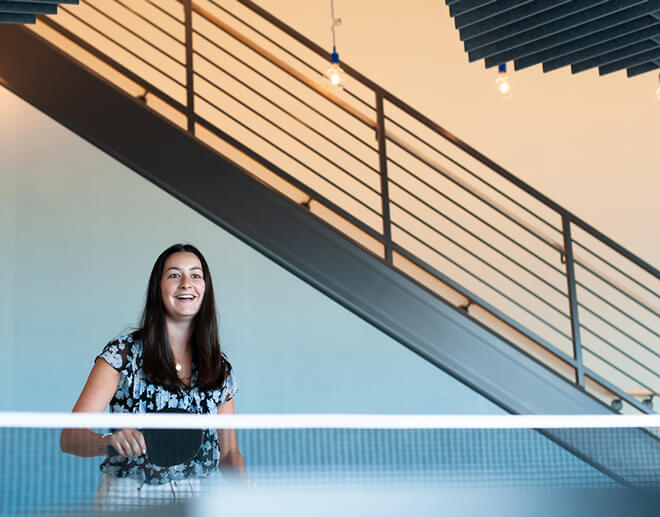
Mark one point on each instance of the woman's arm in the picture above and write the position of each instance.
(101, 385)
(231, 459)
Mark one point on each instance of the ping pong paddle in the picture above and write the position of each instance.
(168, 447)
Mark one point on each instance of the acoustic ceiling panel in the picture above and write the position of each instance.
(611, 35)
(26, 11)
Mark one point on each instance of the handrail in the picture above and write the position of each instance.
(390, 145)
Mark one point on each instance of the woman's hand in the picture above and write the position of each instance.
(126, 442)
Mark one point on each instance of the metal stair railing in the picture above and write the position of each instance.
(399, 185)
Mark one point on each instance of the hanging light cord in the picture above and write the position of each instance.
(335, 22)
(332, 10)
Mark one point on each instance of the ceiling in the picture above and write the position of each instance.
(611, 35)
(26, 11)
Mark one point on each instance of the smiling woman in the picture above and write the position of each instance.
(173, 362)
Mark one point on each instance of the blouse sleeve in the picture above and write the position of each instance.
(229, 388)
(116, 353)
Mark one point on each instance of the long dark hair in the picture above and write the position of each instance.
(158, 363)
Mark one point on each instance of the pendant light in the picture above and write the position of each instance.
(502, 83)
(335, 75)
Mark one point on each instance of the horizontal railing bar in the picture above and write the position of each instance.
(289, 31)
(613, 284)
(287, 112)
(165, 11)
(287, 177)
(611, 365)
(68, 11)
(311, 83)
(479, 218)
(619, 310)
(281, 88)
(616, 247)
(289, 155)
(618, 349)
(297, 58)
(132, 33)
(475, 236)
(129, 74)
(266, 37)
(147, 20)
(287, 133)
(473, 298)
(482, 197)
(487, 284)
(475, 175)
(617, 269)
(477, 257)
(622, 332)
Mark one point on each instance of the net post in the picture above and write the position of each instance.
(572, 300)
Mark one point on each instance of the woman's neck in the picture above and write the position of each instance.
(179, 334)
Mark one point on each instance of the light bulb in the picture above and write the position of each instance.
(335, 75)
(502, 84)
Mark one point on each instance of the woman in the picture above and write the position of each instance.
(173, 362)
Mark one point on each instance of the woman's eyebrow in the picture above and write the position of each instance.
(173, 267)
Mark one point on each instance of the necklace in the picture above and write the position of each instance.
(178, 367)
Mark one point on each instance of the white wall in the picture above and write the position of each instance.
(80, 233)
(588, 142)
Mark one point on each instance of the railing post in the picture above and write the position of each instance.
(572, 299)
(384, 182)
(190, 91)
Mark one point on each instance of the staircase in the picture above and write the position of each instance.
(384, 211)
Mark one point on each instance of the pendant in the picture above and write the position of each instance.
(178, 367)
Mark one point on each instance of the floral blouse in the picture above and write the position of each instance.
(135, 395)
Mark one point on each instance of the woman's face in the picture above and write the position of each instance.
(182, 286)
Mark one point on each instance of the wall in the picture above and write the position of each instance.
(80, 233)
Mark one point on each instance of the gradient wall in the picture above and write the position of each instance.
(79, 235)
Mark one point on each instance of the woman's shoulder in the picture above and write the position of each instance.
(130, 342)
(122, 349)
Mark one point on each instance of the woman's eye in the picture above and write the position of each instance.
(196, 275)
(173, 275)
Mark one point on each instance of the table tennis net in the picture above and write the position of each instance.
(348, 452)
